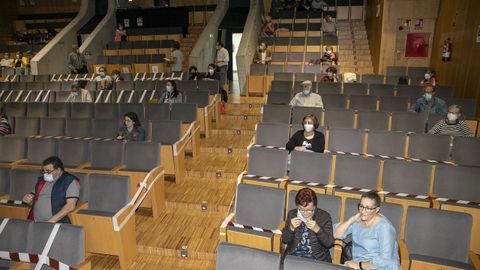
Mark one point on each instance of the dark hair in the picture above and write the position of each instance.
(332, 69)
(212, 66)
(55, 161)
(372, 195)
(220, 43)
(193, 67)
(425, 86)
(174, 85)
(305, 196)
(134, 117)
(176, 45)
(3, 115)
(314, 119)
(265, 43)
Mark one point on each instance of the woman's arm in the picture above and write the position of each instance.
(344, 228)
(292, 142)
(325, 234)
(287, 234)
(387, 243)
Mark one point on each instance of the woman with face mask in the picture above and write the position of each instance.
(452, 125)
(212, 75)
(331, 75)
(429, 78)
(171, 94)
(263, 55)
(309, 139)
(308, 230)
(106, 81)
(329, 56)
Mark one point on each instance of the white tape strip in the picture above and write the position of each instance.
(44, 256)
(3, 224)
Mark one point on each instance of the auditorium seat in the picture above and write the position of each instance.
(281, 86)
(105, 155)
(68, 146)
(386, 143)
(279, 98)
(137, 108)
(362, 102)
(105, 111)
(396, 70)
(211, 86)
(299, 263)
(429, 241)
(272, 134)
(300, 112)
(276, 114)
(301, 170)
(465, 151)
(334, 101)
(78, 128)
(268, 163)
(336, 118)
(392, 79)
(155, 111)
(38, 149)
(238, 257)
(372, 120)
(26, 126)
(259, 206)
(185, 112)
(433, 119)
(408, 122)
(372, 79)
(346, 140)
(329, 88)
(355, 88)
(13, 148)
(393, 104)
(52, 127)
(15, 109)
(4, 182)
(81, 110)
(15, 238)
(300, 77)
(37, 109)
(22, 181)
(105, 128)
(444, 92)
(429, 147)
(416, 71)
(411, 91)
(382, 90)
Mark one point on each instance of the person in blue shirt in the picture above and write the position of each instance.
(131, 130)
(374, 240)
(429, 103)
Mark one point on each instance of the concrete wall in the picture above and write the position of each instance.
(53, 58)
(374, 23)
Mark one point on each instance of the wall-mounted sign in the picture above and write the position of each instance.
(126, 23)
(419, 24)
(140, 21)
(417, 45)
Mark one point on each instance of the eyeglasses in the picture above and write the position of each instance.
(307, 210)
(47, 172)
(367, 209)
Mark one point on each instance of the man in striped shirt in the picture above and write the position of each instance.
(452, 125)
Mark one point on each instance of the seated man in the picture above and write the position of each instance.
(428, 103)
(453, 125)
(106, 81)
(55, 195)
(329, 28)
(306, 98)
(78, 94)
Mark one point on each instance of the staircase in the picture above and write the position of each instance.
(354, 51)
(187, 43)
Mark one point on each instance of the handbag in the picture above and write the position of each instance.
(346, 252)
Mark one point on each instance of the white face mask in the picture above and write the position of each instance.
(102, 74)
(428, 96)
(211, 71)
(306, 92)
(329, 52)
(452, 117)
(169, 88)
(301, 217)
(428, 76)
(48, 177)
(330, 74)
(308, 127)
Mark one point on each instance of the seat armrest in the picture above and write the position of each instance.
(86, 265)
(474, 260)
(72, 215)
(337, 251)
(84, 165)
(404, 256)
(118, 167)
(122, 216)
(277, 238)
(223, 226)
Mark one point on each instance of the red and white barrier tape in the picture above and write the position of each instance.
(34, 258)
(253, 228)
(259, 177)
(463, 202)
(11, 202)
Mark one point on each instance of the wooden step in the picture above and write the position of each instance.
(208, 164)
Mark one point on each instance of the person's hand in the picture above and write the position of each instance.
(356, 218)
(294, 223)
(119, 137)
(352, 264)
(28, 198)
(299, 148)
(312, 225)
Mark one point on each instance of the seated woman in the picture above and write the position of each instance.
(268, 28)
(453, 125)
(374, 244)
(4, 125)
(171, 94)
(106, 81)
(213, 75)
(308, 139)
(331, 75)
(193, 74)
(131, 130)
(120, 33)
(329, 56)
(263, 55)
(308, 230)
(430, 78)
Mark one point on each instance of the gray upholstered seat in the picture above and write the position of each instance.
(16, 235)
(408, 122)
(124, 85)
(237, 257)
(272, 69)
(300, 112)
(393, 104)
(52, 126)
(346, 140)
(310, 167)
(137, 108)
(362, 172)
(157, 111)
(200, 98)
(339, 118)
(281, 86)
(397, 70)
(387, 143)
(81, 110)
(426, 146)
(465, 151)
(392, 211)
(105, 128)
(22, 182)
(258, 69)
(329, 88)
(392, 79)
(26, 126)
(267, 162)
(12, 149)
(141, 156)
(284, 76)
(429, 237)
(105, 155)
(185, 112)
(279, 98)
(299, 263)
(211, 86)
(166, 131)
(38, 149)
(274, 134)
(78, 127)
(4, 181)
(444, 92)
(300, 77)
(105, 111)
(372, 120)
(362, 102)
(276, 113)
(334, 101)
(61, 96)
(37, 109)
(295, 56)
(382, 89)
(58, 110)
(144, 85)
(84, 183)
(68, 146)
(355, 88)
(457, 182)
(372, 79)
(416, 71)
(407, 177)
(15, 109)
(107, 194)
(410, 91)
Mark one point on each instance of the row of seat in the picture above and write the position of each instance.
(406, 71)
(155, 56)
(45, 78)
(461, 150)
(396, 120)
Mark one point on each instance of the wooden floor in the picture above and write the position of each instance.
(211, 180)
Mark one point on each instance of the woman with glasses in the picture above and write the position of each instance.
(374, 244)
(308, 230)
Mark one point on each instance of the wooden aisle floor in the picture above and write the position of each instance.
(211, 180)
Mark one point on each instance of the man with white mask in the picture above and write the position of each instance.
(429, 103)
(453, 124)
(307, 98)
(78, 94)
(55, 194)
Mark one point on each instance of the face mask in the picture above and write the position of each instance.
(211, 71)
(427, 76)
(262, 48)
(169, 88)
(306, 92)
(329, 52)
(48, 177)
(308, 127)
(301, 217)
(428, 96)
(75, 93)
(452, 117)
(330, 74)
(102, 74)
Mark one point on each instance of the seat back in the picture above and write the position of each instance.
(276, 113)
(211, 86)
(4, 181)
(39, 148)
(334, 101)
(237, 257)
(108, 193)
(106, 154)
(457, 182)
(465, 151)
(68, 146)
(393, 104)
(300, 112)
(78, 127)
(25, 126)
(22, 182)
(52, 126)
(185, 112)
(200, 98)
(37, 109)
(410, 91)
(105, 128)
(392, 211)
(310, 167)
(106, 111)
(259, 206)
(329, 88)
(58, 110)
(396, 70)
(339, 118)
(166, 131)
(12, 149)
(382, 90)
(407, 177)
(426, 146)
(428, 232)
(362, 102)
(84, 183)
(81, 110)
(137, 108)
(408, 122)
(15, 109)
(299, 263)
(155, 111)
(279, 98)
(361, 172)
(267, 162)
(386, 143)
(141, 156)
(355, 88)
(15, 236)
(372, 120)
(346, 140)
(281, 86)
(274, 134)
